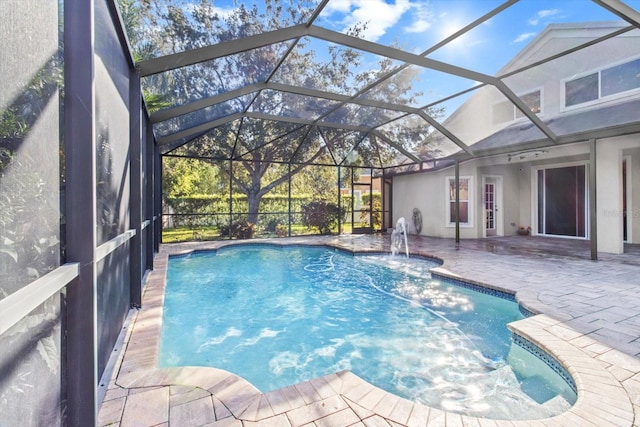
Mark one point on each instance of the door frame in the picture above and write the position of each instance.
(498, 202)
(629, 198)
(368, 187)
(534, 199)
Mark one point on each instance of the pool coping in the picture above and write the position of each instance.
(604, 394)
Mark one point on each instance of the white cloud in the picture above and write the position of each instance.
(423, 19)
(543, 14)
(524, 36)
(377, 14)
(342, 6)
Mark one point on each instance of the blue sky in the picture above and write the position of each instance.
(417, 25)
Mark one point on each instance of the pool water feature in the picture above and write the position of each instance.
(281, 315)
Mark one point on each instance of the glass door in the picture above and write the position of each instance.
(562, 201)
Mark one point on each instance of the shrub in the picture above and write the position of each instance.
(239, 229)
(320, 215)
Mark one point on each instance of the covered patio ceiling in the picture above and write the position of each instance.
(363, 82)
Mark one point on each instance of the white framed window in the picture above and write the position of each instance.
(466, 201)
(617, 80)
(506, 111)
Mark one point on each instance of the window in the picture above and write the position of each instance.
(621, 78)
(607, 82)
(466, 206)
(506, 111)
(533, 102)
(581, 90)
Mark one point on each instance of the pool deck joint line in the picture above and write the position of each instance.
(580, 302)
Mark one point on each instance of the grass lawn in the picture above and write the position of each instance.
(189, 234)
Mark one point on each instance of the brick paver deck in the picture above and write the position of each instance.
(589, 321)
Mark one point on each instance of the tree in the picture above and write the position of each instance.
(257, 145)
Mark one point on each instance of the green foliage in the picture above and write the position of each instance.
(376, 215)
(241, 229)
(29, 223)
(321, 215)
(183, 177)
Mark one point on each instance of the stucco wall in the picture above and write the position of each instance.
(509, 203)
(427, 192)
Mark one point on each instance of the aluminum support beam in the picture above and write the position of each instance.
(135, 200)
(207, 53)
(80, 142)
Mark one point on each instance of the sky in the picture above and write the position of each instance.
(417, 25)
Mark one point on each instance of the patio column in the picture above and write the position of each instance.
(457, 208)
(593, 205)
(609, 197)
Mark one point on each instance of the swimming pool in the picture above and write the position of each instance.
(280, 315)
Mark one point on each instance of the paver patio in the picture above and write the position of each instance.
(590, 323)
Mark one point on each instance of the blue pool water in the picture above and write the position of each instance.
(281, 315)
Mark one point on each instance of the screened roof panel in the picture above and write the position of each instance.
(218, 143)
(488, 47)
(256, 133)
(487, 111)
(340, 143)
(413, 26)
(216, 76)
(202, 116)
(426, 86)
(313, 149)
(420, 137)
(174, 26)
(321, 65)
(292, 105)
(360, 115)
(417, 81)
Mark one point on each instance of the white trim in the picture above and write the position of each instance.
(470, 201)
(19, 304)
(498, 205)
(145, 224)
(629, 196)
(601, 99)
(105, 249)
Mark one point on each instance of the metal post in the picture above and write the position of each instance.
(157, 200)
(135, 200)
(339, 201)
(593, 208)
(457, 208)
(80, 192)
(353, 201)
(149, 175)
(230, 199)
(289, 204)
(371, 225)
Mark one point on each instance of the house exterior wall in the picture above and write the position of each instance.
(610, 153)
(480, 116)
(633, 204)
(427, 191)
(487, 112)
